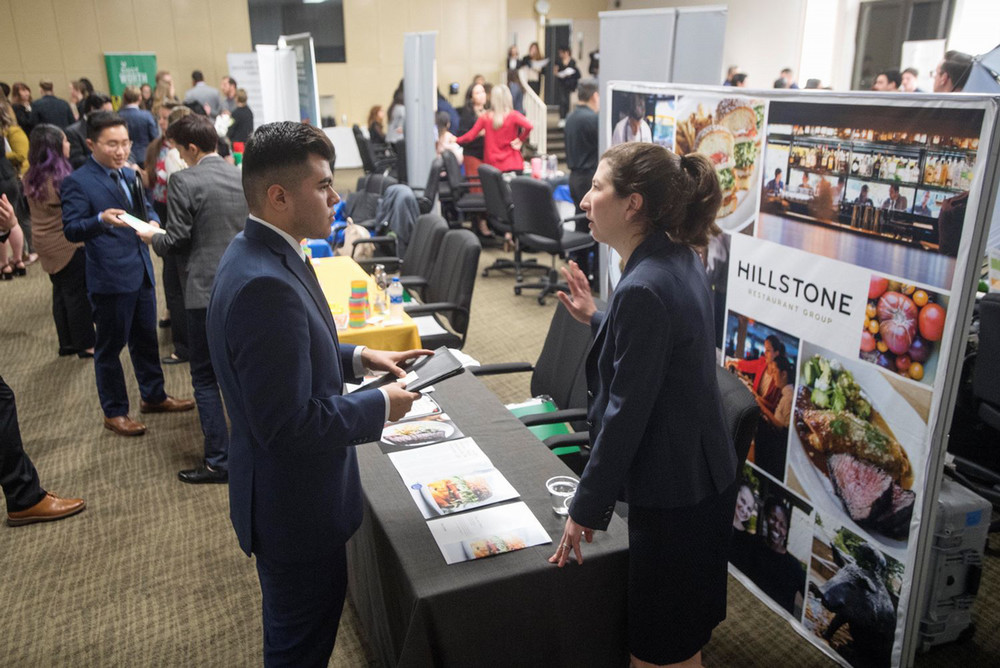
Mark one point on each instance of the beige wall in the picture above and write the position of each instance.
(65, 39)
(62, 40)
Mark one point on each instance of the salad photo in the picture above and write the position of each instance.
(456, 493)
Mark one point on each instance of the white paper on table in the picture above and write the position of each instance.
(487, 532)
(466, 360)
(138, 224)
(451, 477)
(422, 407)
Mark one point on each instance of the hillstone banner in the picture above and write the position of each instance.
(853, 228)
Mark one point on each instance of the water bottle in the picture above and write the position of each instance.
(396, 300)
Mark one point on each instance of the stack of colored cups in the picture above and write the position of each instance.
(358, 304)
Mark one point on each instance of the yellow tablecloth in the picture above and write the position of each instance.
(335, 275)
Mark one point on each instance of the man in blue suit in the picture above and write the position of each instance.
(294, 488)
(119, 273)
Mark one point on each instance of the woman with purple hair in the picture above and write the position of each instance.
(65, 262)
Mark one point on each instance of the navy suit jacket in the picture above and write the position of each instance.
(294, 488)
(142, 130)
(657, 429)
(117, 259)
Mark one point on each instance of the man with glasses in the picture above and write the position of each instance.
(119, 273)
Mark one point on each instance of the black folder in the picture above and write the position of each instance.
(430, 370)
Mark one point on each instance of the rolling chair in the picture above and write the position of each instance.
(462, 202)
(373, 162)
(416, 263)
(496, 192)
(447, 295)
(558, 375)
(538, 225)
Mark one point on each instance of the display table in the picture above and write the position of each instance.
(335, 275)
(509, 609)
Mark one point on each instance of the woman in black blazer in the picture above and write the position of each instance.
(659, 440)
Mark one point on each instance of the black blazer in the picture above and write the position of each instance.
(656, 419)
(294, 486)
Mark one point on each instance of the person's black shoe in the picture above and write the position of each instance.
(203, 475)
(173, 358)
(164, 323)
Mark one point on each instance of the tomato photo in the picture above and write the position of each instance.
(901, 326)
(932, 322)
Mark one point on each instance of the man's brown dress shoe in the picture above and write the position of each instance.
(50, 508)
(168, 405)
(124, 426)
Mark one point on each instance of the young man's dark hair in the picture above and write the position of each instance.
(586, 90)
(278, 153)
(99, 121)
(777, 172)
(46, 86)
(957, 66)
(197, 76)
(194, 129)
(910, 70)
(94, 102)
(739, 78)
(893, 77)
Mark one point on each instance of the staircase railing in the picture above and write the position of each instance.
(536, 112)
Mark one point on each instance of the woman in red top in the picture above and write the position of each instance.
(773, 347)
(506, 130)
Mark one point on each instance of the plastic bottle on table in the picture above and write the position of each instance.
(396, 300)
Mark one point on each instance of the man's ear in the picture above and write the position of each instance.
(90, 145)
(277, 197)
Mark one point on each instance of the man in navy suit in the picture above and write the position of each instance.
(142, 127)
(294, 488)
(119, 273)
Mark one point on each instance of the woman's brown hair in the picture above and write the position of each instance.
(373, 118)
(680, 195)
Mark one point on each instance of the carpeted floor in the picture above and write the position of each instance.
(151, 575)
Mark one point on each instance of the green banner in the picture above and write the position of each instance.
(128, 69)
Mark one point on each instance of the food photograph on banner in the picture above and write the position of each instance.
(772, 540)
(884, 188)
(765, 360)
(852, 595)
(858, 447)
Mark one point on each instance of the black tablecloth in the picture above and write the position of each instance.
(512, 609)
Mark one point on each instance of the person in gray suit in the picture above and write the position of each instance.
(204, 94)
(206, 210)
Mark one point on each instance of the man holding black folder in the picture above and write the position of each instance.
(294, 487)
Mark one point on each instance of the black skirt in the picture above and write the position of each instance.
(677, 576)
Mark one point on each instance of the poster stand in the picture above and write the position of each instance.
(855, 224)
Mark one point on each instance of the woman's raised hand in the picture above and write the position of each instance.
(580, 302)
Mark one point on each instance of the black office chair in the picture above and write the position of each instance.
(375, 159)
(740, 411)
(496, 192)
(429, 193)
(560, 375)
(461, 203)
(538, 226)
(447, 296)
(416, 263)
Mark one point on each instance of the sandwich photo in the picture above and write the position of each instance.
(717, 142)
(740, 118)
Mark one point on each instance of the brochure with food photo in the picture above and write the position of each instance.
(451, 477)
(427, 430)
(486, 533)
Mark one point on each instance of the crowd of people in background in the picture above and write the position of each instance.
(71, 174)
(949, 77)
